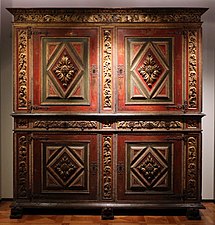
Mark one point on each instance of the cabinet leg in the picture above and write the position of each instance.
(16, 212)
(107, 214)
(193, 214)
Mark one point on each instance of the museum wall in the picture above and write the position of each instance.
(6, 164)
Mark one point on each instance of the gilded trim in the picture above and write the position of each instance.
(143, 15)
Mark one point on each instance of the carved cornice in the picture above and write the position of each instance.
(117, 15)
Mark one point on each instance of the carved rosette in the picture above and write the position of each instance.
(107, 69)
(22, 69)
(192, 172)
(22, 180)
(107, 168)
(192, 69)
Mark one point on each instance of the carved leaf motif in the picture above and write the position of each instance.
(65, 70)
(150, 71)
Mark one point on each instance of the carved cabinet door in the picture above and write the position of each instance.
(151, 66)
(65, 167)
(65, 69)
(150, 167)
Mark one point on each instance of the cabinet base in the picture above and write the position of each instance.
(107, 209)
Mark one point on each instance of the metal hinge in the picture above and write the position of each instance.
(120, 168)
(31, 107)
(183, 107)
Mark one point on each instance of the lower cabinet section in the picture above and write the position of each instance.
(107, 170)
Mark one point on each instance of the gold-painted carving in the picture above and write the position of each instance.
(150, 71)
(22, 181)
(144, 15)
(107, 69)
(192, 168)
(65, 70)
(22, 123)
(107, 167)
(65, 124)
(192, 77)
(149, 125)
(22, 69)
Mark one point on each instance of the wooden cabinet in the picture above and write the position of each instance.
(107, 109)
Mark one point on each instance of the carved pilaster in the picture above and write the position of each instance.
(107, 168)
(192, 69)
(192, 168)
(22, 69)
(107, 69)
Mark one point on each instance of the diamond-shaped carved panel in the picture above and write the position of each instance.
(149, 167)
(149, 70)
(65, 73)
(65, 167)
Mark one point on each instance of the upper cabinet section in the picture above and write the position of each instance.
(107, 60)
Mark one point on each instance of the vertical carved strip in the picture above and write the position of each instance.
(192, 70)
(107, 168)
(22, 69)
(22, 167)
(107, 69)
(192, 183)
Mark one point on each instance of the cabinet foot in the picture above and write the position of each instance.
(193, 214)
(16, 212)
(107, 214)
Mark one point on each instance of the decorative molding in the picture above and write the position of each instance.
(22, 123)
(22, 179)
(107, 167)
(107, 69)
(65, 124)
(192, 69)
(192, 169)
(141, 15)
(149, 125)
(22, 69)
(150, 71)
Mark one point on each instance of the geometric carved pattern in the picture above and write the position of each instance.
(65, 70)
(149, 70)
(149, 167)
(65, 167)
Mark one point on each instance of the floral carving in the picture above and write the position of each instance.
(65, 71)
(150, 71)
(65, 168)
(150, 169)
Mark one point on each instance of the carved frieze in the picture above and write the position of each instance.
(50, 124)
(22, 68)
(107, 167)
(167, 125)
(143, 15)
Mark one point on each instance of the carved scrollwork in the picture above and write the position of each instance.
(22, 69)
(192, 79)
(107, 69)
(149, 125)
(192, 167)
(65, 124)
(107, 167)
